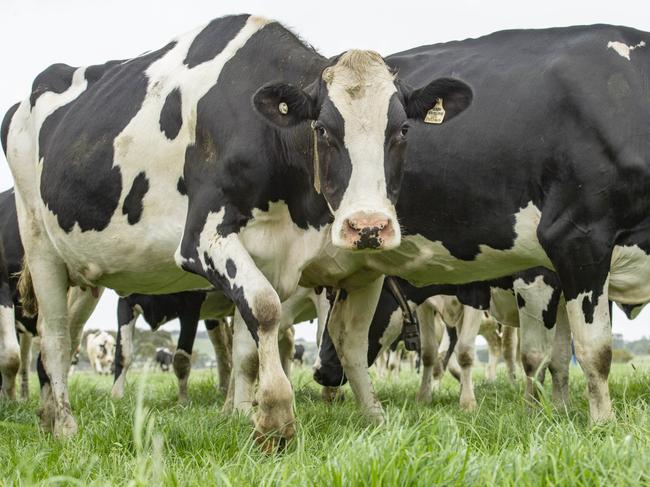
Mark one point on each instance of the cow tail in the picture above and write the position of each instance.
(26, 292)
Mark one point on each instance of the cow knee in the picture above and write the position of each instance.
(531, 361)
(267, 309)
(465, 356)
(182, 363)
(10, 360)
(428, 357)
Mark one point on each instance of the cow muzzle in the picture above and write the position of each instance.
(364, 230)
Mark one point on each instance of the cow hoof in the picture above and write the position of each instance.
(183, 400)
(46, 418)
(228, 407)
(65, 426)
(272, 434)
(468, 404)
(117, 393)
(333, 394)
(602, 417)
(424, 397)
(375, 416)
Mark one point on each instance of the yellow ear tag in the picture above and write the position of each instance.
(436, 114)
(283, 108)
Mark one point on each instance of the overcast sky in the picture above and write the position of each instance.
(37, 33)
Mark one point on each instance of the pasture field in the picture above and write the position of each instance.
(147, 439)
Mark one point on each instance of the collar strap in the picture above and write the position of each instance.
(316, 158)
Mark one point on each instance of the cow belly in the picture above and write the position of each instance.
(629, 280)
(128, 258)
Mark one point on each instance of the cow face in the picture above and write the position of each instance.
(358, 113)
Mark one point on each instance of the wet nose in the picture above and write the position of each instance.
(368, 230)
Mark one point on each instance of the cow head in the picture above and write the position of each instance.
(358, 113)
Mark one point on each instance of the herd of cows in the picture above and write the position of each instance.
(237, 172)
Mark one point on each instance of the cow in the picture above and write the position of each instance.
(9, 347)
(220, 334)
(232, 158)
(100, 347)
(299, 353)
(189, 307)
(26, 322)
(549, 179)
(163, 358)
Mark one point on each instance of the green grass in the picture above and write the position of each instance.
(147, 439)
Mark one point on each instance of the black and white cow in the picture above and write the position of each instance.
(25, 322)
(9, 347)
(550, 167)
(163, 357)
(189, 307)
(100, 348)
(299, 353)
(10, 310)
(229, 158)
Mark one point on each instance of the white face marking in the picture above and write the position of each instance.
(363, 105)
(622, 49)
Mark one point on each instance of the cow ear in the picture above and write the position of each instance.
(284, 105)
(452, 95)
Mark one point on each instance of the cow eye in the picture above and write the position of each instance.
(404, 130)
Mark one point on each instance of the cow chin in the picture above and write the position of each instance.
(366, 230)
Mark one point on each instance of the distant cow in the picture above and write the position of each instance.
(189, 307)
(163, 358)
(100, 347)
(25, 322)
(299, 352)
(9, 348)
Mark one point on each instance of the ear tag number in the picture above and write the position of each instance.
(436, 114)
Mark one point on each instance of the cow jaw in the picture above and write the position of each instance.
(361, 86)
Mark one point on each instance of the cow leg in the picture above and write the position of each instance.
(81, 304)
(465, 352)
(226, 263)
(431, 365)
(510, 346)
(127, 315)
(287, 349)
(245, 364)
(9, 347)
(593, 343)
(582, 259)
(182, 360)
(220, 335)
(561, 358)
(348, 327)
(494, 354)
(25, 361)
(50, 282)
(536, 345)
